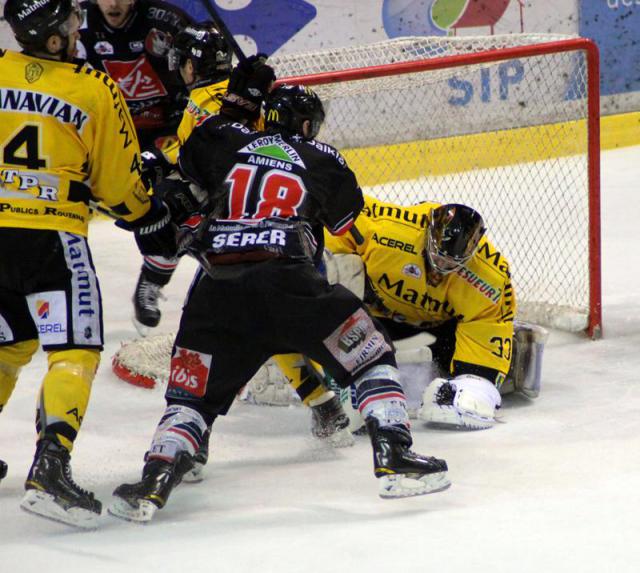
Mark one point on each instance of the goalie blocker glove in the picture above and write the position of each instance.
(249, 84)
(155, 233)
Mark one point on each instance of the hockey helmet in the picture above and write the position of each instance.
(207, 49)
(453, 235)
(288, 107)
(33, 22)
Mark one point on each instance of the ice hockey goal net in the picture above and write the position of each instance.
(506, 124)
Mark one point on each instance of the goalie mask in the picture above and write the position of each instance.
(453, 235)
(288, 107)
(33, 22)
(207, 49)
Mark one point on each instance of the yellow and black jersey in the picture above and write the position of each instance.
(479, 296)
(66, 137)
(203, 103)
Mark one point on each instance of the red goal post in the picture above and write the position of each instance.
(507, 124)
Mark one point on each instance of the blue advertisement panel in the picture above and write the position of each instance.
(615, 26)
(270, 23)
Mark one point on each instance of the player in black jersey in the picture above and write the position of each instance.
(259, 293)
(130, 40)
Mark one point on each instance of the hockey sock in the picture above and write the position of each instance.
(12, 359)
(159, 270)
(64, 394)
(180, 429)
(305, 376)
(380, 395)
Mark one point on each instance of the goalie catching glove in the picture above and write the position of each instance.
(249, 84)
(466, 401)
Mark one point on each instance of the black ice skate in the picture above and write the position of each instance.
(139, 501)
(3, 470)
(200, 459)
(51, 491)
(145, 304)
(330, 422)
(403, 473)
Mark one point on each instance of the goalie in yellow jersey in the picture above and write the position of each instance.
(429, 268)
(66, 138)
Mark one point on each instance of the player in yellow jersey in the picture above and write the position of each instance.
(429, 267)
(66, 137)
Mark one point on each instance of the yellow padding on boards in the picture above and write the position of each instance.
(12, 359)
(377, 165)
(66, 389)
(290, 366)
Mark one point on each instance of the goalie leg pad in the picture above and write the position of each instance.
(467, 401)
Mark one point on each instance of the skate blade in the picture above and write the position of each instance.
(341, 439)
(44, 504)
(143, 329)
(403, 485)
(195, 474)
(122, 509)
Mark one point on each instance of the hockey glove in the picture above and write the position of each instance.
(154, 232)
(249, 84)
(183, 198)
(154, 167)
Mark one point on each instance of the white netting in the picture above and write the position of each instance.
(508, 137)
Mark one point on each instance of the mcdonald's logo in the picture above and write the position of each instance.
(273, 115)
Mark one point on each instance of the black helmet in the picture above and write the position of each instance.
(288, 107)
(206, 47)
(453, 236)
(33, 22)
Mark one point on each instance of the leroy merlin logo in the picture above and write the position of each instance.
(274, 147)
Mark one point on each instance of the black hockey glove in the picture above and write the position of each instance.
(183, 198)
(155, 232)
(154, 167)
(249, 84)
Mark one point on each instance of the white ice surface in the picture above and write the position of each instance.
(554, 488)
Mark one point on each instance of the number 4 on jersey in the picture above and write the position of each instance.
(279, 195)
(23, 149)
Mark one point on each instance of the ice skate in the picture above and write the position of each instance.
(401, 472)
(200, 459)
(139, 501)
(52, 493)
(145, 303)
(330, 422)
